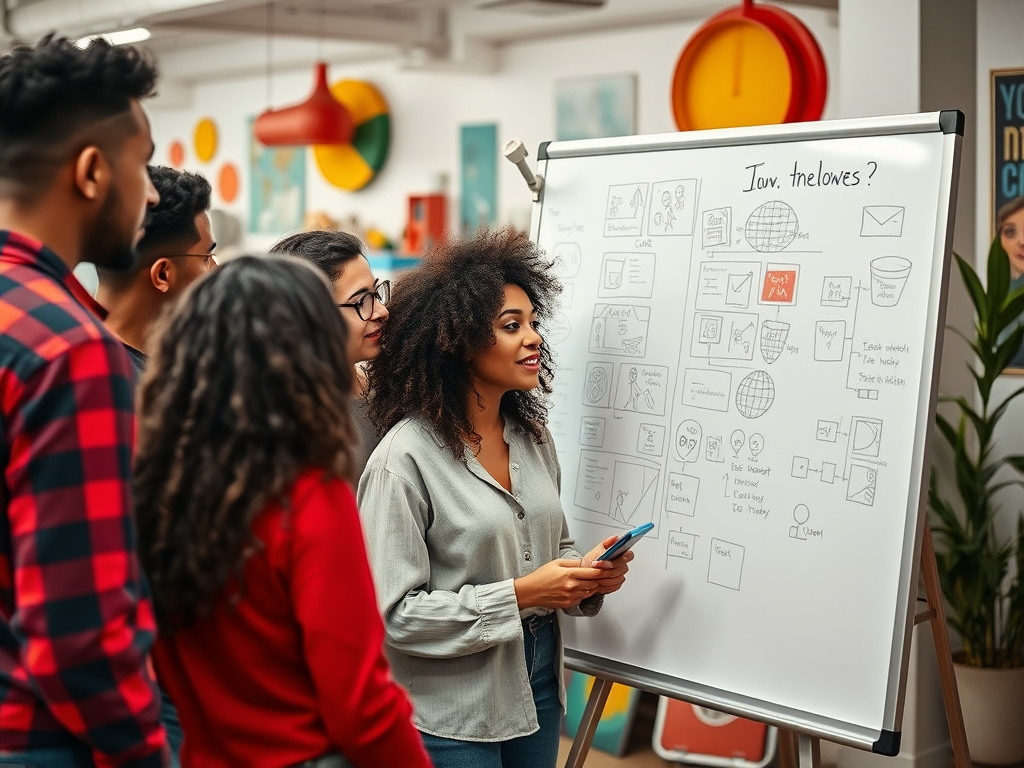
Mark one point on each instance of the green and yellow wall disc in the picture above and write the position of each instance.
(352, 166)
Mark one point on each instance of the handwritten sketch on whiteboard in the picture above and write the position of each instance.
(740, 364)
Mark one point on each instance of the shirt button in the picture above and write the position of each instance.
(521, 515)
(514, 467)
(527, 557)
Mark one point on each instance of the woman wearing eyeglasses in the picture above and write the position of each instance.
(470, 550)
(362, 301)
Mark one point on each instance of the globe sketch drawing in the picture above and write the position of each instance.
(597, 384)
(755, 394)
(771, 227)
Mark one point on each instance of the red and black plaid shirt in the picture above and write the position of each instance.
(76, 623)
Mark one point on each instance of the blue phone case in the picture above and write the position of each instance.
(625, 542)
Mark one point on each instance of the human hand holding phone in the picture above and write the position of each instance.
(613, 555)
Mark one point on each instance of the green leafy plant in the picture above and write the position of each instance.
(985, 605)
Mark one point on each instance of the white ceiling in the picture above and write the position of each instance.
(203, 39)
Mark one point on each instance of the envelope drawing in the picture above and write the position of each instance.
(882, 221)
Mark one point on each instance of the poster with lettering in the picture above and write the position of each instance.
(1007, 138)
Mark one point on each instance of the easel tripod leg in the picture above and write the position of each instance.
(940, 634)
(808, 749)
(588, 725)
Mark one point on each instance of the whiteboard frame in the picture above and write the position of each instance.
(951, 124)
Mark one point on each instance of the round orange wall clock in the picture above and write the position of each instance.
(749, 65)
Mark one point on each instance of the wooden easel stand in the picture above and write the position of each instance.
(808, 748)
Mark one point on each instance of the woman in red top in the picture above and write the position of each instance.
(270, 641)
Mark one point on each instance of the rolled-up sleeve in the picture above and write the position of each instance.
(420, 621)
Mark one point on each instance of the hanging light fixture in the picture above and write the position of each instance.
(321, 119)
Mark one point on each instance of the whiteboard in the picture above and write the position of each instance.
(746, 351)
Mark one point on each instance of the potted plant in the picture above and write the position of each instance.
(984, 596)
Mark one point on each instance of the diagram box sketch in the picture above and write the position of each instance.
(620, 329)
(836, 291)
(567, 294)
(861, 488)
(829, 340)
(800, 465)
(738, 292)
(597, 386)
(707, 389)
(709, 328)
(866, 436)
(594, 481)
(723, 285)
(725, 336)
(642, 388)
(867, 394)
(651, 440)
(780, 284)
(771, 227)
(828, 472)
(713, 451)
(826, 431)
(634, 491)
(627, 275)
(681, 496)
(726, 566)
(624, 214)
(681, 544)
(673, 205)
(716, 227)
(882, 221)
(592, 431)
(567, 259)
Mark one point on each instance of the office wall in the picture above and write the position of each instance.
(428, 107)
(999, 24)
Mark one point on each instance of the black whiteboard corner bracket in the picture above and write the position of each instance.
(888, 742)
(542, 150)
(952, 121)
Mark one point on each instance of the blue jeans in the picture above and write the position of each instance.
(169, 717)
(54, 757)
(538, 750)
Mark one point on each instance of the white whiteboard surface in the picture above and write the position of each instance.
(745, 353)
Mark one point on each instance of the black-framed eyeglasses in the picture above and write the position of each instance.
(364, 306)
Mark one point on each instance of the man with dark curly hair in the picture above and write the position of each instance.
(76, 620)
(176, 250)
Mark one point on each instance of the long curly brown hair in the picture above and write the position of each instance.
(247, 386)
(441, 315)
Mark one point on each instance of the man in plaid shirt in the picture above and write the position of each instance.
(76, 622)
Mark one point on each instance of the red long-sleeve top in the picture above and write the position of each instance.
(295, 668)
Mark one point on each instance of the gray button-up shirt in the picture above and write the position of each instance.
(446, 542)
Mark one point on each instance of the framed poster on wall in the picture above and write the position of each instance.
(1007, 114)
(1007, 98)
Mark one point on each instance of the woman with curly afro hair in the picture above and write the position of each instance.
(470, 549)
(270, 642)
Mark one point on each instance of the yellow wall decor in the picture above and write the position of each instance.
(352, 166)
(205, 139)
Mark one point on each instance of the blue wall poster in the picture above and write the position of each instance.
(479, 153)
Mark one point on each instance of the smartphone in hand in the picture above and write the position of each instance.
(625, 542)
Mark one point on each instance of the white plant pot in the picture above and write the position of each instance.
(993, 704)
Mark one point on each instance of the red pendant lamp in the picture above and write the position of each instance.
(321, 119)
